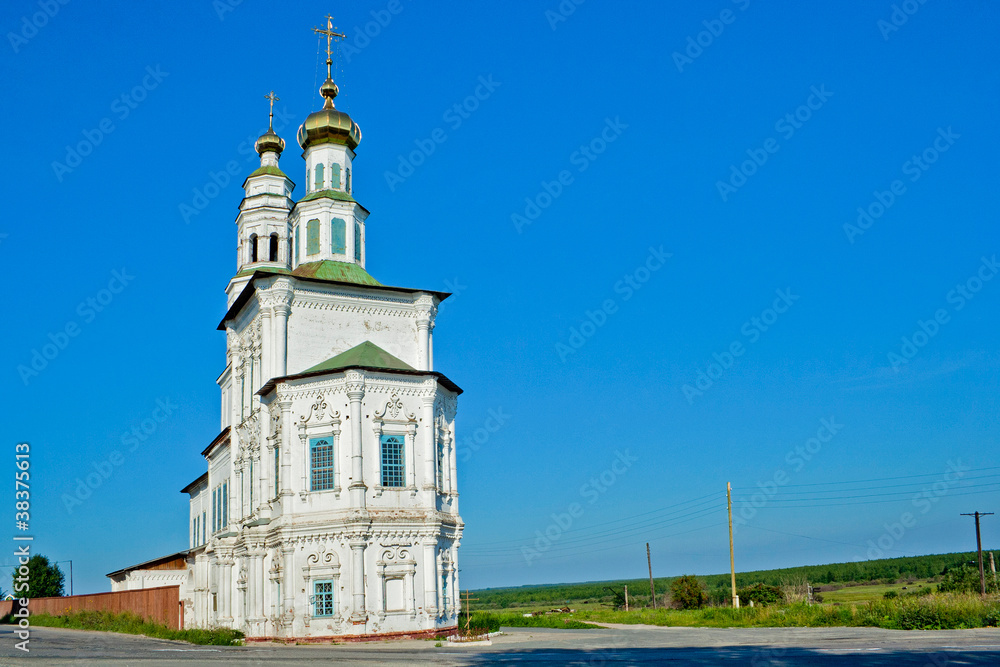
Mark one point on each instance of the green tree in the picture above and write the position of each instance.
(760, 594)
(965, 579)
(45, 580)
(688, 593)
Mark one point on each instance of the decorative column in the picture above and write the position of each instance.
(429, 545)
(266, 353)
(423, 341)
(286, 448)
(430, 348)
(288, 585)
(226, 590)
(425, 322)
(449, 445)
(456, 604)
(355, 392)
(427, 429)
(255, 587)
(358, 615)
(282, 310)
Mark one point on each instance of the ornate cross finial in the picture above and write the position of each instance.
(331, 34)
(273, 98)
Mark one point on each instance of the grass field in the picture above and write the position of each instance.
(867, 593)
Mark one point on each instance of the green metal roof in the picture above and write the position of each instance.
(269, 170)
(342, 272)
(329, 194)
(367, 355)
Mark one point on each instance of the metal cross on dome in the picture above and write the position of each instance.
(331, 34)
(274, 98)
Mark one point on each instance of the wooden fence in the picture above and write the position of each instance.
(160, 605)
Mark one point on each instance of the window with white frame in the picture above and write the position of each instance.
(321, 464)
(323, 598)
(393, 469)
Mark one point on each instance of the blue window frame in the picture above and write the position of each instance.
(321, 464)
(319, 177)
(357, 241)
(195, 533)
(338, 236)
(392, 461)
(215, 509)
(348, 185)
(323, 598)
(204, 527)
(296, 245)
(335, 176)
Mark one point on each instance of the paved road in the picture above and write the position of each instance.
(618, 645)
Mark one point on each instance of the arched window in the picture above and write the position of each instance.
(253, 248)
(319, 177)
(296, 244)
(357, 241)
(312, 237)
(335, 176)
(272, 254)
(307, 179)
(338, 234)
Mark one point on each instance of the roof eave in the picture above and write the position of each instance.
(219, 438)
(273, 382)
(248, 290)
(196, 482)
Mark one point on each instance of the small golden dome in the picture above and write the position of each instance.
(269, 141)
(328, 125)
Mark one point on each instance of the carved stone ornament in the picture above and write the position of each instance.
(393, 407)
(318, 409)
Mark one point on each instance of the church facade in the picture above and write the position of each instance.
(329, 506)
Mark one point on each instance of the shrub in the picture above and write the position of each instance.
(688, 593)
(888, 595)
(761, 594)
(965, 579)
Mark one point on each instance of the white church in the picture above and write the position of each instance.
(329, 507)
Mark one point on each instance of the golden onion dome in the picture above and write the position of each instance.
(328, 125)
(269, 141)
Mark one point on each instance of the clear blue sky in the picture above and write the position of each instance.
(569, 403)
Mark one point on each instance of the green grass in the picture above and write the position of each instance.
(132, 624)
(855, 594)
(933, 612)
(593, 594)
(493, 621)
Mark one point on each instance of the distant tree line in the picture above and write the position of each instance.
(908, 567)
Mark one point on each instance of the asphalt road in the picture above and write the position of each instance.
(620, 645)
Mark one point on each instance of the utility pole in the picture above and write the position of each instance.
(652, 589)
(979, 548)
(732, 555)
(626, 588)
(70, 574)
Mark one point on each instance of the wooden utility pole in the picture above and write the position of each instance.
(979, 548)
(652, 589)
(732, 555)
(626, 589)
